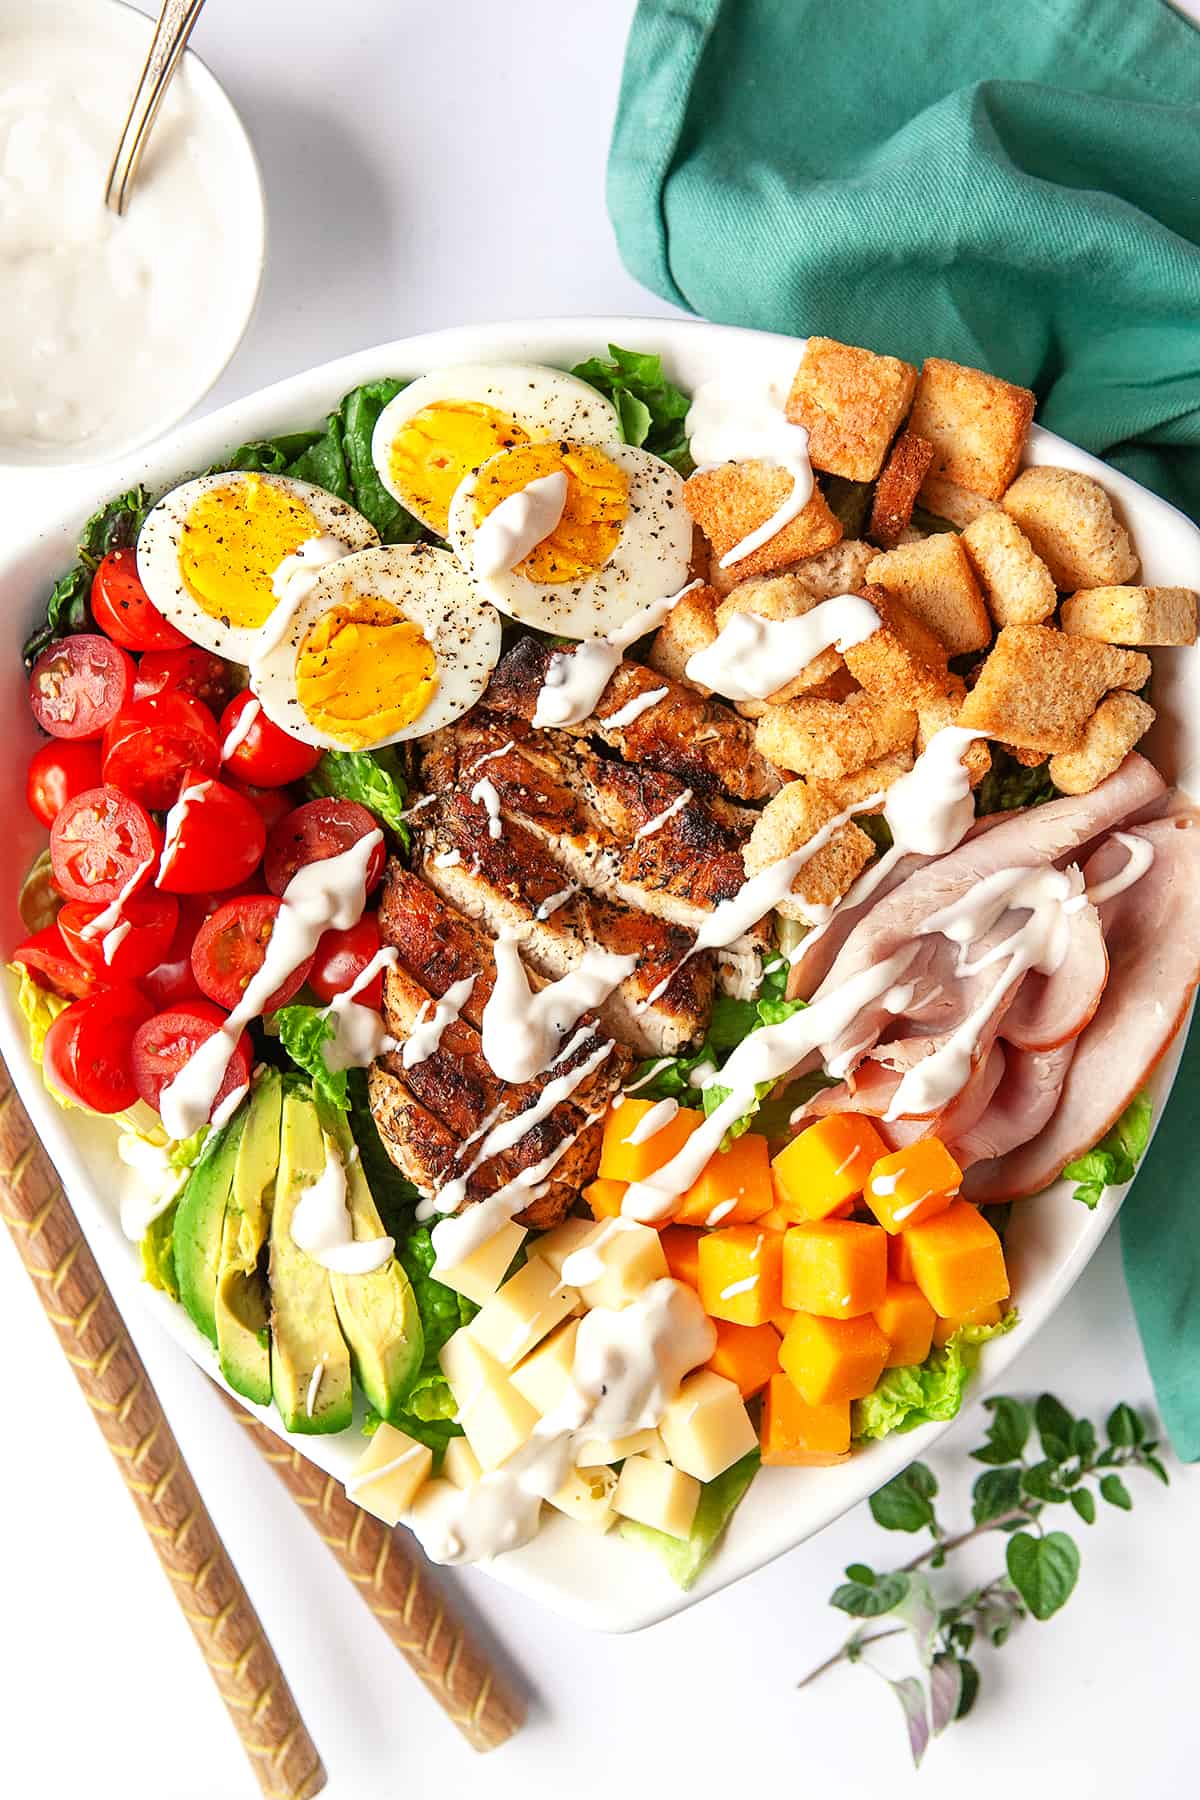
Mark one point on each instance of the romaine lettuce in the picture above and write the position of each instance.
(651, 408)
(303, 1031)
(1113, 1160)
(374, 778)
(39, 1008)
(906, 1398)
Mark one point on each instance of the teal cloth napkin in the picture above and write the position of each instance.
(1012, 184)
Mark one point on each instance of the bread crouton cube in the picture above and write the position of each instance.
(874, 778)
(944, 709)
(731, 501)
(841, 569)
(690, 626)
(1132, 615)
(781, 597)
(852, 402)
(897, 488)
(934, 579)
(1069, 520)
(975, 422)
(1017, 586)
(1039, 687)
(838, 686)
(788, 821)
(1107, 738)
(903, 660)
(827, 739)
(946, 500)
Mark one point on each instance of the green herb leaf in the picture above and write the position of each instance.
(997, 1491)
(303, 1031)
(1084, 1502)
(945, 1692)
(911, 1696)
(1123, 1426)
(1113, 1489)
(1116, 1156)
(1008, 1432)
(1055, 1426)
(1043, 1570)
(375, 778)
(114, 527)
(1042, 1482)
(652, 410)
(860, 1572)
(903, 1504)
(863, 1601)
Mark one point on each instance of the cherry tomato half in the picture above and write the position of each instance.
(149, 747)
(200, 673)
(266, 755)
(97, 843)
(164, 1043)
(215, 838)
(124, 610)
(230, 948)
(341, 957)
(318, 829)
(47, 956)
(79, 685)
(151, 918)
(57, 772)
(171, 980)
(88, 1053)
(271, 803)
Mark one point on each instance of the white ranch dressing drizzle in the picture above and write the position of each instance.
(484, 794)
(241, 728)
(229, 1105)
(323, 1229)
(1141, 855)
(753, 657)
(521, 1032)
(680, 802)
(291, 583)
(426, 1034)
(159, 1182)
(515, 527)
(172, 831)
(576, 679)
(355, 1483)
(359, 1033)
(552, 904)
(633, 709)
(314, 1388)
(105, 922)
(447, 859)
(656, 1120)
(655, 1069)
(728, 423)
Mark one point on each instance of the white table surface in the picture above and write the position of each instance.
(427, 163)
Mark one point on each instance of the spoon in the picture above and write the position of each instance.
(175, 21)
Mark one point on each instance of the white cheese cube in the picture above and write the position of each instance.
(389, 1473)
(655, 1494)
(615, 1266)
(432, 1518)
(523, 1312)
(586, 1495)
(460, 1465)
(555, 1246)
(706, 1427)
(611, 1450)
(656, 1448)
(544, 1374)
(496, 1419)
(480, 1274)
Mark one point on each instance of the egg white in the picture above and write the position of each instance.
(428, 586)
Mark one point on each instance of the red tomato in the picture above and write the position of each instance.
(151, 917)
(230, 947)
(79, 685)
(98, 841)
(318, 829)
(267, 755)
(150, 746)
(88, 1053)
(59, 771)
(47, 957)
(341, 957)
(124, 610)
(200, 673)
(171, 980)
(164, 1043)
(216, 842)
(271, 803)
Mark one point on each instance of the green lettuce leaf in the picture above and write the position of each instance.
(651, 408)
(906, 1398)
(357, 416)
(68, 609)
(39, 1008)
(375, 778)
(1113, 1160)
(430, 1406)
(685, 1558)
(303, 1030)
(1009, 786)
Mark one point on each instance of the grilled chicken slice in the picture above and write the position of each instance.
(700, 740)
(507, 881)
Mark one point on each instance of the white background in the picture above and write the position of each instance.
(430, 163)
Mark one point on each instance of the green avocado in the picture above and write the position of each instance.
(240, 1307)
(200, 1219)
(305, 1335)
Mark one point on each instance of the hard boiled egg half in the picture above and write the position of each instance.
(208, 552)
(444, 425)
(387, 644)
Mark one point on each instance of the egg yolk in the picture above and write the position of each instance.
(434, 449)
(596, 506)
(364, 671)
(232, 541)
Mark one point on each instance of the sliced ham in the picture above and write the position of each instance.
(1049, 1010)
(1017, 1110)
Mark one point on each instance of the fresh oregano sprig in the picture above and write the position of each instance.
(1041, 1565)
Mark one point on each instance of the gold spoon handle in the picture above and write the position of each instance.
(175, 21)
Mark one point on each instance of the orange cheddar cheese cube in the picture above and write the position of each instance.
(899, 1260)
(733, 1188)
(782, 1319)
(740, 1274)
(834, 1267)
(747, 1355)
(944, 1329)
(627, 1155)
(907, 1321)
(912, 1184)
(681, 1247)
(795, 1434)
(775, 1219)
(826, 1165)
(833, 1359)
(605, 1197)
(957, 1261)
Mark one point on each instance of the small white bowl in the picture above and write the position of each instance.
(196, 122)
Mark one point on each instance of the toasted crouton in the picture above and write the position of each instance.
(875, 778)
(839, 686)
(827, 739)
(731, 501)
(946, 500)
(1069, 520)
(841, 569)
(1107, 738)
(788, 821)
(1017, 586)
(852, 402)
(897, 488)
(902, 661)
(975, 422)
(934, 580)
(1039, 687)
(781, 597)
(691, 625)
(944, 709)
(1132, 615)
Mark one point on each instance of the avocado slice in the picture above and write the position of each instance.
(243, 1340)
(305, 1335)
(199, 1222)
(377, 1311)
